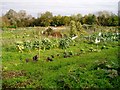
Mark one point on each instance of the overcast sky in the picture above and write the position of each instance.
(63, 7)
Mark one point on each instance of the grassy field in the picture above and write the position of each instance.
(83, 64)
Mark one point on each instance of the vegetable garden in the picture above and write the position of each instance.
(88, 59)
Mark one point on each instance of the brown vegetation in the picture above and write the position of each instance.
(56, 34)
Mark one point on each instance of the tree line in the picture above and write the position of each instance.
(22, 19)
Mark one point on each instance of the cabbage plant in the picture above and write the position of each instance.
(65, 43)
(46, 44)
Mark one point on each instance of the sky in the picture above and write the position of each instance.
(62, 7)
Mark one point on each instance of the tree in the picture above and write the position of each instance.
(57, 20)
(21, 19)
(78, 26)
(12, 17)
(66, 20)
(76, 17)
(72, 28)
(84, 19)
(91, 19)
(5, 21)
(106, 18)
(24, 20)
(46, 18)
(114, 20)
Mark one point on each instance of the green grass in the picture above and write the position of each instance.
(81, 70)
(47, 74)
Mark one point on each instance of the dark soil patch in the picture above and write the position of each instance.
(11, 74)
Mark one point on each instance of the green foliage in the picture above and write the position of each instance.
(82, 67)
(91, 19)
(27, 44)
(65, 43)
(45, 18)
(46, 44)
(105, 37)
(13, 19)
(19, 46)
(72, 29)
(36, 44)
(78, 26)
(11, 26)
(10, 83)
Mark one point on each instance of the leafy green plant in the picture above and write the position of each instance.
(46, 44)
(27, 45)
(19, 46)
(65, 43)
(36, 44)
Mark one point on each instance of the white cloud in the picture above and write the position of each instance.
(64, 7)
(88, 1)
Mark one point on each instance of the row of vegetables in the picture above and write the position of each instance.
(44, 44)
(63, 43)
(103, 37)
